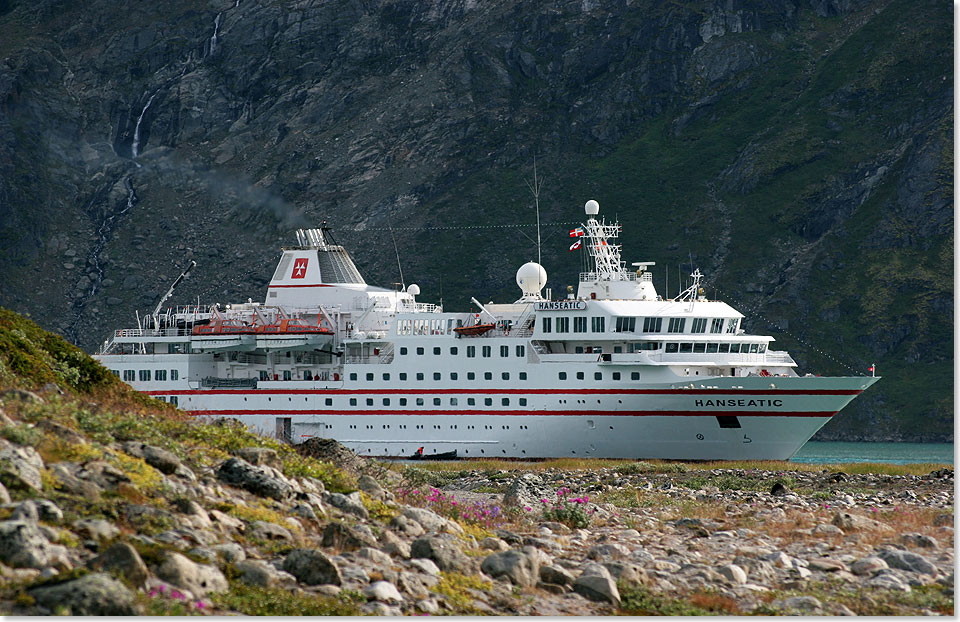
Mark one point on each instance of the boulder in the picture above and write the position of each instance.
(162, 460)
(855, 522)
(20, 467)
(428, 519)
(868, 565)
(888, 581)
(608, 550)
(596, 583)
(555, 575)
(24, 545)
(376, 556)
(96, 528)
(230, 552)
(406, 525)
(123, 559)
(312, 567)
(351, 504)
(919, 540)
(260, 456)
(444, 551)
(260, 480)
(733, 573)
(491, 543)
(905, 560)
(805, 604)
(372, 487)
(66, 475)
(392, 544)
(425, 566)
(521, 567)
(96, 594)
(346, 537)
(4, 494)
(383, 591)
(526, 490)
(261, 574)
(626, 572)
(200, 579)
(269, 531)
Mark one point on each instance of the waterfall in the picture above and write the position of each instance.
(237, 4)
(216, 29)
(135, 148)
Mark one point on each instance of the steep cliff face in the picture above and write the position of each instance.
(800, 153)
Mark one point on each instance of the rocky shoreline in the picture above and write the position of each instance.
(238, 535)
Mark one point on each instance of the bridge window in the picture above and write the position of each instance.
(716, 325)
(676, 324)
(563, 325)
(754, 348)
(732, 324)
(672, 347)
(734, 348)
(699, 347)
(686, 347)
(626, 324)
(144, 375)
(598, 324)
(580, 324)
(724, 347)
(546, 325)
(711, 347)
(699, 325)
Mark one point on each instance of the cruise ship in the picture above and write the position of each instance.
(613, 369)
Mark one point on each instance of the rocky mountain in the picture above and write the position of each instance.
(798, 152)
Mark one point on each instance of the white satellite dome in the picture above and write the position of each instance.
(592, 208)
(531, 277)
(413, 289)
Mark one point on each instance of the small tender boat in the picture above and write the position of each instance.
(446, 455)
(473, 331)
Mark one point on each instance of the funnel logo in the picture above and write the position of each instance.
(300, 268)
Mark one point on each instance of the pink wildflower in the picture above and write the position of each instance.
(201, 604)
(528, 508)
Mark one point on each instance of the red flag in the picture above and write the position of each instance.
(576, 233)
(575, 245)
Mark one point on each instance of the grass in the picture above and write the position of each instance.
(868, 602)
(455, 588)
(259, 601)
(639, 601)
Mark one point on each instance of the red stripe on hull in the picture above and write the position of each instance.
(522, 413)
(736, 392)
(311, 285)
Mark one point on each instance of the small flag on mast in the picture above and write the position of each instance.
(575, 245)
(576, 233)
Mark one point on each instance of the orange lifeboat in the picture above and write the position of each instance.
(474, 331)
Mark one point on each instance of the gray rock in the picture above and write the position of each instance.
(96, 528)
(261, 574)
(21, 395)
(200, 579)
(425, 565)
(406, 525)
(733, 573)
(230, 551)
(555, 575)
(376, 556)
(304, 510)
(392, 544)
(827, 530)
(123, 559)
(608, 550)
(96, 594)
(269, 531)
(888, 581)
(428, 606)
(920, 540)
(383, 591)
(429, 520)
(526, 490)
(806, 604)
(351, 504)
(4, 494)
(162, 460)
(312, 567)
(827, 565)
(23, 545)
(25, 510)
(595, 583)
(372, 487)
(868, 565)
(20, 467)
(855, 522)
(628, 573)
(67, 475)
(260, 480)
(491, 543)
(346, 537)
(260, 456)
(905, 560)
(444, 551)
(521, 568)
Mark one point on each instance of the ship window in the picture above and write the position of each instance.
(403, 351)
(115, 372)
(562, 375)
(686, 347)
(699, 325)
(716, 325)
(369, 401)
(734, 348)
(488, 401)
(626, 324)
(580, 324)
(634, 375)
(263, 375)
(454, 351)
(471, 375)
(419, 375)
(763, 348)
(160, 374)
(753, 348)
(436, 401)
(563, 325)
(617, 349)
(471, 351)
(403, 375)
(578, 350)
(711, 347)
(436, 375)
(672, 347)
(523, 375)
(453, 401)
(598, 324)
(699, 347)
(386, 376)
(504, 351)
(307, 375)
(174, 374)
(353, 376)
(328, 401)
(616, 375)
(403, 401)
(471, 401)
(579, 375)
(676, 324)
(369, 377)
(453, 375)
(520, 350)
(545, 326)
(732, 324)
(163, 399)
(505, 401)
(649, 345)
(652, 324)
(436, 351)
(353, 401)
(505, 375)
(523, 401)
(487, 375)
(174, 400)
(485, 351)
(386, 401)
(144, 375)
(286, 374)
(419, 351)
(724, 347)
(597, 375)
(419, 401)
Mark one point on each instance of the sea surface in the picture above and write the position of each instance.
(894, 453)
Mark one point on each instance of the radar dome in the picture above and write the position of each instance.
(414, 289)
(531, 277)
(592, 208)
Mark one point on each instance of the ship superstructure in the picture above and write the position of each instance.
(612, 370)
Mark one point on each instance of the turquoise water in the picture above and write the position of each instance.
(894, 453)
